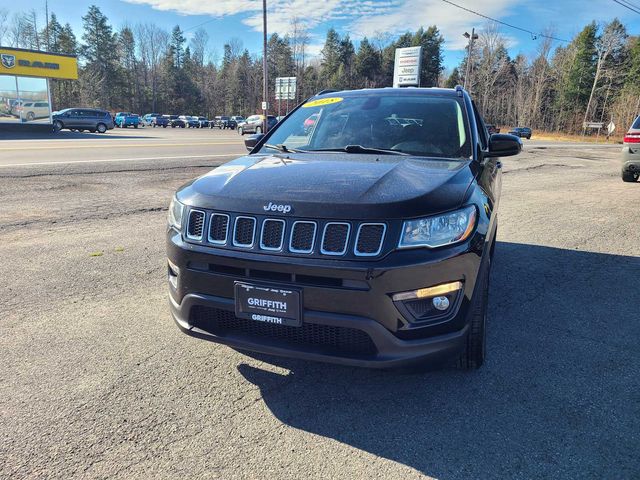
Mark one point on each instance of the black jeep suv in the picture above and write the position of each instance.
(365, 240)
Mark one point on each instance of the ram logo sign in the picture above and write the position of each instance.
(8, 61)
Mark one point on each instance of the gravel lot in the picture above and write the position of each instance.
(97, 382)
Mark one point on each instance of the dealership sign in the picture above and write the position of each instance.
(406, 71)
(31, 63)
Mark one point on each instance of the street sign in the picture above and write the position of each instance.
(264, 105)
(286, 88)
(593, 125)
(406, 70)
(611, 127)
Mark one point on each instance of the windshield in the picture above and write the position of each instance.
(432, 126)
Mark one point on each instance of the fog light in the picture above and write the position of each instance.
(173, 272)
(441, 303)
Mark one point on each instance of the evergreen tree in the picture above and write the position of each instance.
(330, 61)
(177, 46)
(100, 59)
(454, 79)
(367, 63)
(581, 71)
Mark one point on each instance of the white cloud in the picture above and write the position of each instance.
(369, 18)
(413, 14)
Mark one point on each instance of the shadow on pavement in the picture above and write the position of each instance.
(557, 398)
(65, 135)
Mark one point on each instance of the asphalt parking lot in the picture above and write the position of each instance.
(97, 382)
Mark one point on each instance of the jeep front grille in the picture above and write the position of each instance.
(287, 235)
(272, 236)
(302, 237)
(244, 232)
(195, 226)
(369, 239)
(334, 238)
(218, 228)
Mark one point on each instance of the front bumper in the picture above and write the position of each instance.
(345, 304)
(631, 159)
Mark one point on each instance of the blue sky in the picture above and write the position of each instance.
(226, 19)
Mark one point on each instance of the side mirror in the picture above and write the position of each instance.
(252, 140)
(504, 145)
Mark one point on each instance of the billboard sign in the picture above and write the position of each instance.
(406, 70)
(286, 88)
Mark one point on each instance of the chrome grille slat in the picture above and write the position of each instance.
(335, 238)
(244, 231)
(272, 234)
(303, 236)
(218, 228)
(369, 239)
(195, 224)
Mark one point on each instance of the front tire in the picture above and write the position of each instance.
(57, 126)
(101, 127)
(629, 177)
(473, 356)
(258, 130)
(240, 131)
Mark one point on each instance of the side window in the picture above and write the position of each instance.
(482, 129)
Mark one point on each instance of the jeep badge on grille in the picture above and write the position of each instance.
(272, 207)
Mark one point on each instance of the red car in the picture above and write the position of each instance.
(310, 122)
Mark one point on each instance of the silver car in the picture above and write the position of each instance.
(631, 153)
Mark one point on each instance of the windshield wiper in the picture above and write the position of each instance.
(281, 147)
(360, 149)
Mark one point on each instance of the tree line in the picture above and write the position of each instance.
(143, 68)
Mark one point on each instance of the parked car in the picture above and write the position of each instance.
(522, 132)
(82, 119)
(161, 121)
(223, 122)
(126, 119)
(237, 119)
(148, 119)
(177, 121)
(631, 153)
(192, 122)
(204, 122)
(492, 129)
(30, 111)
(371, 245)
(254, 124)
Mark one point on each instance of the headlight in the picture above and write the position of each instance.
(452, 227)
(176, 210)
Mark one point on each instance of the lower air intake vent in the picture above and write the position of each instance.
(369, 239)
(244, 231)
(323, 338)
(334, 239)
(195, 225)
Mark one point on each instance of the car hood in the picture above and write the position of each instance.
(333, 185)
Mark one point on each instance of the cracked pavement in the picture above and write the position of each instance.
(97, 382)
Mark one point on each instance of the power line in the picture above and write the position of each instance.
(534, 35)
(630, 6)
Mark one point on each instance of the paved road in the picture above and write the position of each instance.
(96, 381)
(117, 145)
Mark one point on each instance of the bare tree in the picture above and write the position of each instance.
(4, 22)
(609, 44)
(153, 44)
(299, 41)
(199, 46)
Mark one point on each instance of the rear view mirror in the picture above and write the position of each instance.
(251, 141)
(504, 145)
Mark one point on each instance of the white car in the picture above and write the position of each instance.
(33, 110)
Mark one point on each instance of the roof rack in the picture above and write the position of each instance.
(327, 91)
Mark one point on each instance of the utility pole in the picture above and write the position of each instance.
(473, 37)
(265, 84)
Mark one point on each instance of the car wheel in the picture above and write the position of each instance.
(240, 131)
(529, 137)
(102, 128)
(135, 126)
(31, 116)
(474, 353)
(57, 126)
(258, 130)
(164, 126)
(629, 177)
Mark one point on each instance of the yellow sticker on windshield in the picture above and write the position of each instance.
(322, 101)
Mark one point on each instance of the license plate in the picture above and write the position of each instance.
(268, 304)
